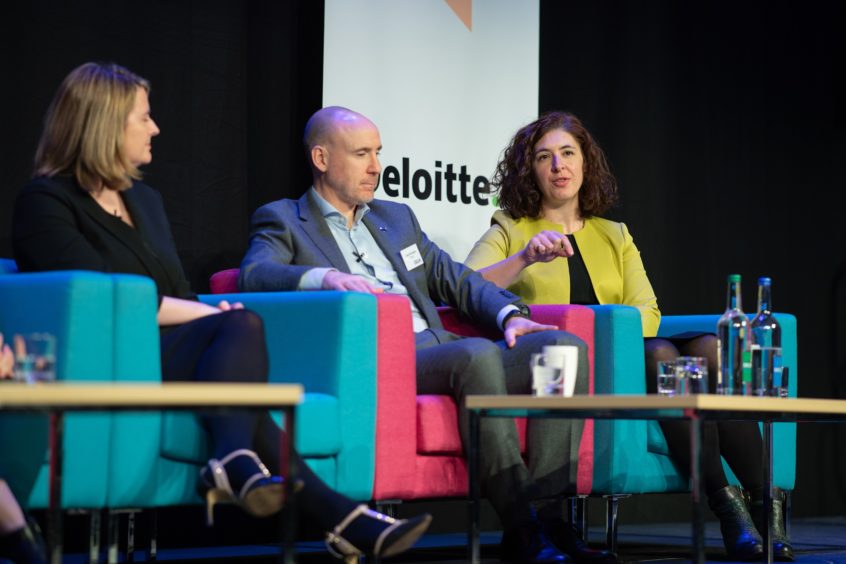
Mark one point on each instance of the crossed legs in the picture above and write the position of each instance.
(452, 365)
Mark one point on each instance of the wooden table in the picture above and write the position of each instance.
(58, 398)
(695, 408)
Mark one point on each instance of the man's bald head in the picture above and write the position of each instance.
(327, 121)
(343, 151)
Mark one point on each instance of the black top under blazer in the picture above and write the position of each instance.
(57, 225)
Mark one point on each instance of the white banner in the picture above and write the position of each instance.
(448, 82)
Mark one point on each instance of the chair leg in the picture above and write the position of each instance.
(130, 537)
(154, 531)
(577, 511)
(112, 534)
(94, 536)
(611, 506)
(788, 510)
(388, 506)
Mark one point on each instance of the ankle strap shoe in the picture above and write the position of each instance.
(367, 532)
(242, 479)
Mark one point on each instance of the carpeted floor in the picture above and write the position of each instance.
(816, 541)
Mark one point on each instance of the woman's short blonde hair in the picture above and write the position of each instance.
(84, 127)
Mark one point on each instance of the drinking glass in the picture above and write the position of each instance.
(35, 357)
(691, 375)
(667, 377)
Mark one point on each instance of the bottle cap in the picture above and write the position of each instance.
(734, 278)
(765, 281)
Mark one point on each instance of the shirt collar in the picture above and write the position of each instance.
(328, 211)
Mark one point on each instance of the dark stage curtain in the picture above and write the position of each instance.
(722, 120)
(232, 86)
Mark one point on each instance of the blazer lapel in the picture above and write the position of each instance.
(126, 235)
(315, 227)
(378, 228)
(417, 288)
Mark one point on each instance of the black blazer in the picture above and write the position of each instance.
(57, 225)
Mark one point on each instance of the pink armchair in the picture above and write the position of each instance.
(418, 448)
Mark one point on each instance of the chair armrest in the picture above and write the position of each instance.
(619, 360)
(96, 319)
(8, 266)
(675, 324)
(225, 281)
(75, 306)
(455, 322)
(396, 419)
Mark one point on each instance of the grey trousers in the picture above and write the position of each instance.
(457, 366)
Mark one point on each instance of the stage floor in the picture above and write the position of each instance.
(816, 541)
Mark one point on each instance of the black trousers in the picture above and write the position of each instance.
(231, 347)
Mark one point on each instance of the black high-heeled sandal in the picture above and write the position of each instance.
(396, 536)
(251, 487)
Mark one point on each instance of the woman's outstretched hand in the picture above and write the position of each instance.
(547, 246)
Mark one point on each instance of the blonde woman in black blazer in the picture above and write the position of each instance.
(87, 209)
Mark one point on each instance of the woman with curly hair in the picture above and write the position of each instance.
(549, 245)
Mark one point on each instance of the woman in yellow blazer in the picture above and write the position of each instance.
(549, 245)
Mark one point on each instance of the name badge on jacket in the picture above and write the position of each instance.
(411, 257)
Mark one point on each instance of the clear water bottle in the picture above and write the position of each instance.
(732, 353)
(765, 330)
(769, 375)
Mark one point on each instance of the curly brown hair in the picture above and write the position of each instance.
(514, 179)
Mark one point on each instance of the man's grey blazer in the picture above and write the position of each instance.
(289, 237)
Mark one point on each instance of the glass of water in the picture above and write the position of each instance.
(35, 358)
(691, 375)
(667, 377)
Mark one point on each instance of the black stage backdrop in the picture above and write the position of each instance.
(723, 122)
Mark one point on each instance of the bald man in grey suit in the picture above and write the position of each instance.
(338, 237)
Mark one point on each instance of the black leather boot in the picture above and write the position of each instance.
(782, 551)
(25, 545)
(527, 544)
(740, 536)
(564, 536)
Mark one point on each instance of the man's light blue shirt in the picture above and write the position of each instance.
(364, 257)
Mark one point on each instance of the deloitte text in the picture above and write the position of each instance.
(439, 185)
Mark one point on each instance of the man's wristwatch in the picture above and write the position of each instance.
(522, 311)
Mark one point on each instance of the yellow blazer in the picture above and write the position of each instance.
(611, 257)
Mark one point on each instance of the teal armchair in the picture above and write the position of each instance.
(78, 308)
(324, 340)
(106, 330)
(632, 457)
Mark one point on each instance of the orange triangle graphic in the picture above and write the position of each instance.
(464, 10)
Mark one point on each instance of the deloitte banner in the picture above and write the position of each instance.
(447, 82)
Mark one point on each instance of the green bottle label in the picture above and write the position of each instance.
(747, 367)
